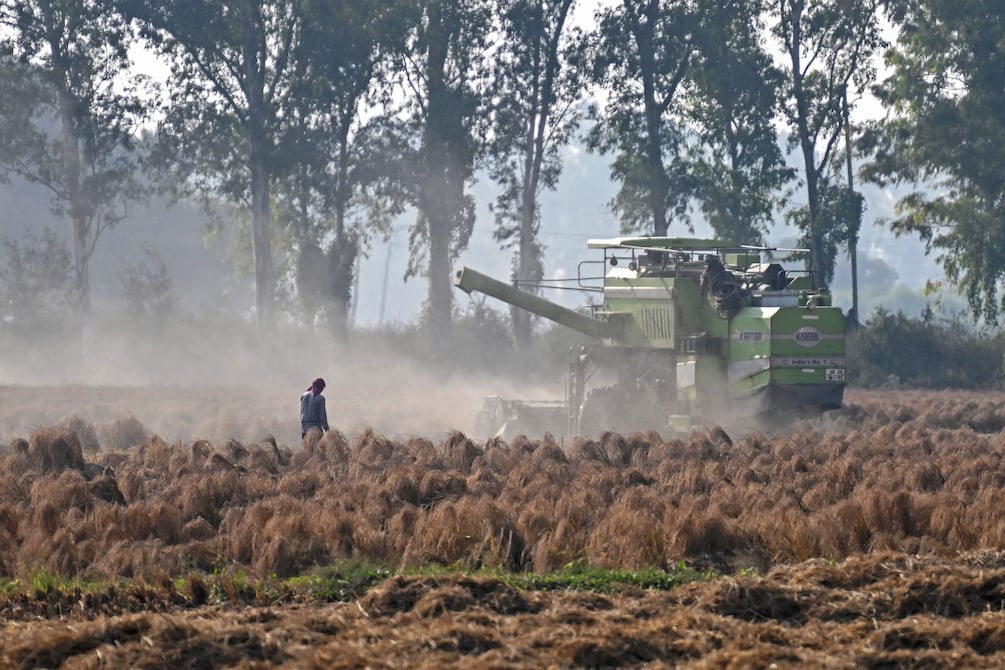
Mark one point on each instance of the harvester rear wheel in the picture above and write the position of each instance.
(599, 411)
(610, 408)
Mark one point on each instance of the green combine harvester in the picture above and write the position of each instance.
(689, 331)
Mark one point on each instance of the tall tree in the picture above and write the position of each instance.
(342, 77)
(737, 162)
(828, 47)
(642, 54)
(536, 96)
(68, 110)
(229, 83)
(442, 70)
(946, 134)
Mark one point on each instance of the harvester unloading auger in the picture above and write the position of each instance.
(689, 330)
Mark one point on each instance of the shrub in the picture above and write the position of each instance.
(899, 351)
(36, 282)
(122, 433)
(147, 286)
(54, 451)
(85, 432)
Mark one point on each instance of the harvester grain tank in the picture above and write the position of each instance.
(688, 330)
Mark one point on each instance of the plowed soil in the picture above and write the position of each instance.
(892, 559)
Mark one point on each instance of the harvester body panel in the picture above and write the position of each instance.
(798, 351)
(692, 327)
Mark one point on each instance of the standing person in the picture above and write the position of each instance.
(312, 408)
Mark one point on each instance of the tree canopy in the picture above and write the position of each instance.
(828, 47)
(69, 114)
(441, 71)
(946, 138)
(737, 163)
(535, 106)
(641, 55)
(342, 73)
(223, 114)
(309, 126)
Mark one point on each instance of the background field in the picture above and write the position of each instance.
(871, 537)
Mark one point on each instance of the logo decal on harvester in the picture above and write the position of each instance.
(750, 336)
(807, 336)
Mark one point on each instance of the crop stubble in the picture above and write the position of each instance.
(877, 531)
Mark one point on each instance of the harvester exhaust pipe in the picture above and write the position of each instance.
(469, 280)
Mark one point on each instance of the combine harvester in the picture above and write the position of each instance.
(689, 331)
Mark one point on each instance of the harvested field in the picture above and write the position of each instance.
(871, 538)
(876, 611)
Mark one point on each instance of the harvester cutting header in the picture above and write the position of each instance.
(688, 330)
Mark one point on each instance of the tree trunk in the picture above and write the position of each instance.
(79, 214)
(261, 238)
(658, 182)
(342, 256)
(440, 297)
(261, 228)
(338, 290)
(806, 142)
(813, 198)
(528, 210)
(438, 196)
(546, 66)
(525, 274)
(525, 265)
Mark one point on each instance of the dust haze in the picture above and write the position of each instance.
(219, 379)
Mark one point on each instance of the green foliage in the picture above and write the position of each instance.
(482, 337)
(70, 109)
(330, 118)
(580, 576)
(228, 90)
(345, 582)
(435, 143)
(838, 219)
(51, 584)
(536, 91)
(483, 341)
(894, 350)
(147, 285)
(36, 282)
(44, 582)
(827, 47)
(229, 72)
(947, 91)
(641, 56)
(339, 583)
(736, 160)
(327, 164)
(536, 94)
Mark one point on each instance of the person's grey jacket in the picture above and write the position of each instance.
(312, 412)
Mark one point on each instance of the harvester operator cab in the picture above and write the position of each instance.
(768, 276)
(659, 263)
(654, 260)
